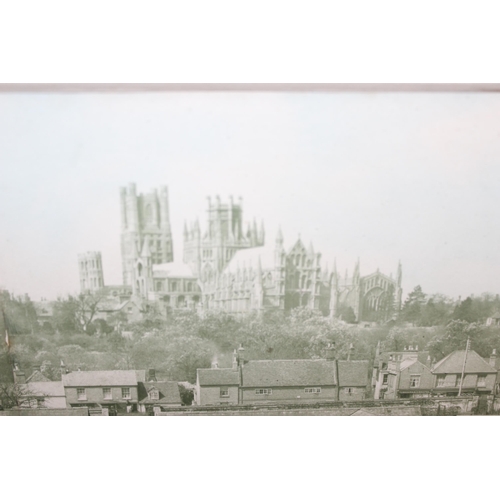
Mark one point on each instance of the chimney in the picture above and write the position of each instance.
(351, 349)
(241, 355)
(152, 375)
(493, 358)
(19, 376)
(330, 352)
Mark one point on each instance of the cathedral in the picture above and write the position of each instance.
(229, 266)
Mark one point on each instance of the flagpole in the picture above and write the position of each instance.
(467, 347)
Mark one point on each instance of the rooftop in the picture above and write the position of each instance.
(353, 373)
(289, 373)
(172, 270)
(217, 376)
(453, 363)
(100, 378)
(249, 258)
(169, 392)
(46, 388)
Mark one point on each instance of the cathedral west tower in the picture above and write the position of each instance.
(145, 218)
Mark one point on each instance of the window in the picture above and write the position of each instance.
(106, 393)
(440, 380)
(81, 394)
(263, 391)
(312, 390)
(125, 392)
(481, 381)
(173, 286)
(385, 379)
(159, 286)
(224, 392)
(415, 381)
(154, 394)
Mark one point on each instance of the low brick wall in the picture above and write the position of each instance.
(46, 412)
(415, 407)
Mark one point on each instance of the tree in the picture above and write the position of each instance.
(20, 396)
(412, 307)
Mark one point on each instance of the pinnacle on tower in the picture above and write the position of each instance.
(279, 237)
(310, 251)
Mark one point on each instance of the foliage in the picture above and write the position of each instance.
(19, 395)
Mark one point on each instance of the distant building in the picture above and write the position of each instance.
(91, 272)
(229, 267)
(493, 320)
(145, 227)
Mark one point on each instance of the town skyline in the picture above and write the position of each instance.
(383, 177)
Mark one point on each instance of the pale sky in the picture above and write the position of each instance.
(382, 176)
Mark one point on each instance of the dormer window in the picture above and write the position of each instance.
(154, 394)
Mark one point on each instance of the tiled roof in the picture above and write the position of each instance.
(37, 376)
(353, 373)
(218, 376)
(46, 388)
(453, 363)
(100, 378)
(289, 373)
(169, 392)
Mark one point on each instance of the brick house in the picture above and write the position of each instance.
(217, 386)
(479, 375)
(289, 381)
(114, 390)
(157, 395)
(353, 380)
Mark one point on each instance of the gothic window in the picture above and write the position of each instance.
(159, 286)
(297, 260)
(189, 287)
(303, 261)
(303, 282)
(173, 286)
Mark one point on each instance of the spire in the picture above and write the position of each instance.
(399, 275)
(335, 266)
(262, 234)
(279, 237)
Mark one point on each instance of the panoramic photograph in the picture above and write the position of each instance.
(249, 253)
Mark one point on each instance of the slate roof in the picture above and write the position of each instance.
(289, 373)
(169, 393)
(46, 388)
(100, 378)
(217, 376)
(353, 373)
(453, 363)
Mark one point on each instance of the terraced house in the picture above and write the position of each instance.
(288, 381)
